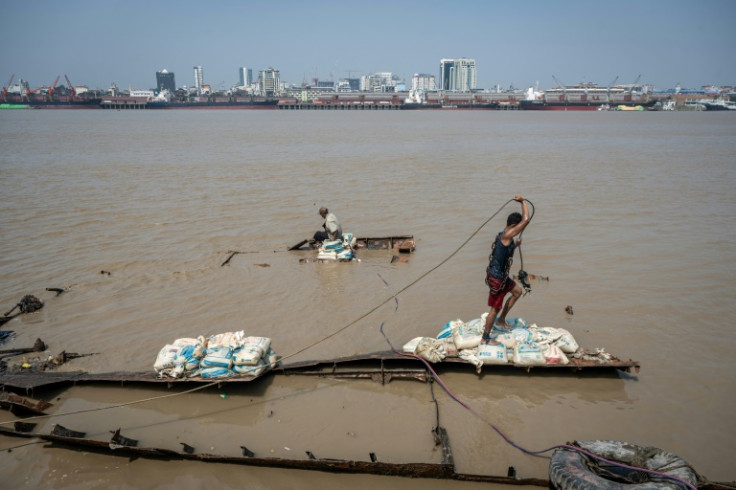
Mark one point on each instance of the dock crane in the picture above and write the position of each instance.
(631, 87)
(71, 88)
(51, 89)
(559, 83)
(5, 88)
(610, 86)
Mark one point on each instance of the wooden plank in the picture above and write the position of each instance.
(391, 364)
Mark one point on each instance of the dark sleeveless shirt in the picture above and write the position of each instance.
(501, 258)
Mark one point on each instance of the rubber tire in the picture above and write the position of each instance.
(568, 470)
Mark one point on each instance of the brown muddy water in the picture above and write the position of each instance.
(635, 226)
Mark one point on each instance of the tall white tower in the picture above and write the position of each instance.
(246, 76)
(457, 75)
(198, 79)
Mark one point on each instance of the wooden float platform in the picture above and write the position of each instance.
(399, 243)
(379, 366)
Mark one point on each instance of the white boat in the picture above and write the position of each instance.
(718, 105)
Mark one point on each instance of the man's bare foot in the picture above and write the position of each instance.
(502, 326)
(487, 340)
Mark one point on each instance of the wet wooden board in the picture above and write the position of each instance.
(381, 366)
(23, 406)
(444, 470)
(400, 243)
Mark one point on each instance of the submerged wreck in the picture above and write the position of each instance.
(378, 366)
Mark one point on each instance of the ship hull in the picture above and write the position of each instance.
(268, 104)
(572, 106)
(92, 104)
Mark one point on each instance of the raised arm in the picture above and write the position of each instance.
(516, 229)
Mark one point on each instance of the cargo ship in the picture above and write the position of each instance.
(585, 97)
(165, 101)
(36, 101)
(215, 104)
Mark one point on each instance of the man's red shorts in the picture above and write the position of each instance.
(495, 301)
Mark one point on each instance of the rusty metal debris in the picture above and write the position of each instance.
(444, 470)
(38, 346)
(23, 406)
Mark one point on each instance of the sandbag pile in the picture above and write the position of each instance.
(523, 345)
(217, 356)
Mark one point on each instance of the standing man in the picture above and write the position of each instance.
(497, 273)
(332, 228)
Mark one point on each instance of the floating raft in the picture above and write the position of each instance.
(378, 366)
(400, 243)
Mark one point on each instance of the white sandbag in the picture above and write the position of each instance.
(252, 350)
(166, 358)
(522, 335)
(467, 341)
(215, 372)
(227, 339)
(430, 349)
(467, 336)
(256, 370)
(247, 355)
(554, 355)
(189, 356)
(448, 347)
(567, 342)
(516, 323)
(197, 344)
(271, 358)
(544, 335)
(264, 343)
(411, 346)
(449, 328)
(492, 354)
(476, 325)
(471, 355)
(528, 354)
(506, 339)
(220, 356)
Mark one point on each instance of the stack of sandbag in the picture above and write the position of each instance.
(431, 349)
(181, 358)
(339, 250)
(525, 345)
(221, 355)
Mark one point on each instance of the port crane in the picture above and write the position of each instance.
(631, 88)
(51, 89)
(72, 92)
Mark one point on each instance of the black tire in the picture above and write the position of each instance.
(569, 469)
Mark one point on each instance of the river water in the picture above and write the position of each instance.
(634, 225)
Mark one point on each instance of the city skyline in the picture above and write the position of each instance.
(514, 44)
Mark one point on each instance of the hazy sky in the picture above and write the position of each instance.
(517, 43)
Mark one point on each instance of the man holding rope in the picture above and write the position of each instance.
(497, 273)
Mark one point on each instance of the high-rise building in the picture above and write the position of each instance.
(378, 82)
(246, 76)
(165, 81)
(457, 75)
(198, 79)
(422, 81)
(269, 82)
